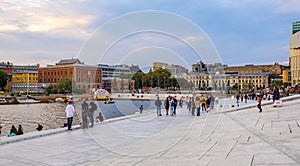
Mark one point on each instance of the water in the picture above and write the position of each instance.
(52, 115)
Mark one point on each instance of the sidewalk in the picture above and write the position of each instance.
(243, 137)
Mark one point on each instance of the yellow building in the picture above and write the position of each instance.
(295, 58)
(286, 77)
(219, 81)
(21, 77)
(24, 79)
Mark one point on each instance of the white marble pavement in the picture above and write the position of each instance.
(242, 137)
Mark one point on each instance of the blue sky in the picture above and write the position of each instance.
(243, 32)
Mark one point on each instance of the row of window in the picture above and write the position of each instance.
(56, 73)
(24, 79)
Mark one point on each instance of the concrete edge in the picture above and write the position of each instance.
(32, 135)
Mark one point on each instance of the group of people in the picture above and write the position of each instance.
(87, 112)
(200, 103)
(16, 131)
(170, 105)
(193, 104)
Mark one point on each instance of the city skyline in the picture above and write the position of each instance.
(45, 32)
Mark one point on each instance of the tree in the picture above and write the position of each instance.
(3, 79)
(138, 79)
(65, 85)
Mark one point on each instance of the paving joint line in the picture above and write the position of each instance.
(265, 140)
(208, 150)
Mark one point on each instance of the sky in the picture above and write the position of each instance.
(185, 32)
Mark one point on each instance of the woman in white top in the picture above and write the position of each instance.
(70, 111)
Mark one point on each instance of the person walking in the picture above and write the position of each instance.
(84, 113)
(172, 104)
(0, 130)
(259, 103)
(208, 104)
(276, 94)
(203, 103)
(198, 105)
(167, 105)
(70, 111)
(92, 109)
(181, 101)
(193, 105)
(246, 97)
(212, 102)
(189, 104)
(158, 106)
(175, 105)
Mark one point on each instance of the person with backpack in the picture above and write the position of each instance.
(92, 109)
(84, 113)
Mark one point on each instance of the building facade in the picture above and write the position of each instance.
(116, 84)
(25, 79)
(295, 58)
(84, 76)
(199, 80)
(7, 67)
(175, 70)
(296, 27)
(255, 69)
(114, 71)
(203, 81)
(241, 81)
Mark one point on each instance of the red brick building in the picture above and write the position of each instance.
(83, 75)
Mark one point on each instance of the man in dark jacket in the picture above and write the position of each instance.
(92, 109)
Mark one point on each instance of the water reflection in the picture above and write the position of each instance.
(52, 115)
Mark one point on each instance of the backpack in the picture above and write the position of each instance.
(94, 106)
(172, 103)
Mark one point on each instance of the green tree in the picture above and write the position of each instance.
(3, 79)
(64, 85)
(138, 79)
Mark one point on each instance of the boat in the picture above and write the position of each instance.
(59, 99)
(43, 99)
(28, 101)
(8, 100)
(102, 94)
(109, 102)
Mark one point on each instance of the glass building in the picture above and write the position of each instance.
(296, 27)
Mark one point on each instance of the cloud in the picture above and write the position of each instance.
(49, 17)
(285, 6)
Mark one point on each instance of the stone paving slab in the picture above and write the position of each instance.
(240, 137)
